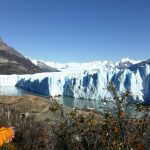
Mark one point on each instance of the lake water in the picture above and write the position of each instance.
(67, 101)
(70, 102)
(14, 91)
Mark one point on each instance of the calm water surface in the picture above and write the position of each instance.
(70, 102)
(14, 91)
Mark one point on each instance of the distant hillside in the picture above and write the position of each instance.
(45, 67)
(12, 62)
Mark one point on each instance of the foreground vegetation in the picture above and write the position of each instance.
(80, 129)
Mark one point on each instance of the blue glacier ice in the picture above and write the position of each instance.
(86, 84)
(90, 84)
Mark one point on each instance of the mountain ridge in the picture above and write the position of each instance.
(13, 62)
(124, 63)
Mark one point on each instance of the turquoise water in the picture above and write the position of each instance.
(67, 101)
(14, 91)
(70, 102)
(82, 103)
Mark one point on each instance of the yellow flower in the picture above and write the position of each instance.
(6, 135)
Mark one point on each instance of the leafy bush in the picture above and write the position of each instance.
(111, 131)
(29, 133)
(81, 129)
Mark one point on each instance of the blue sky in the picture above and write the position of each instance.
(77, 30)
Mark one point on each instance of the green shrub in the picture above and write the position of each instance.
(81, 129)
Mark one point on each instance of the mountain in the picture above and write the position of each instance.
(74, 66)
(139, 65)
(46, 68)
(42, 65)
(91, 66)
(12, 62)
(126, 63)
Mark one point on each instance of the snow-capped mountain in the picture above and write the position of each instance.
(91, 66)
(45, 67)
(126, 63)
(73, 66)
(131, 61)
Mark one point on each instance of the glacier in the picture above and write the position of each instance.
(85, 84)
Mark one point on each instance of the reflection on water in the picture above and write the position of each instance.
(68, 101)
(71, 102)
(84, 103)
(14, 91)
(131, 111)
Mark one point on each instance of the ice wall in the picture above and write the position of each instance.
(87, 85)
(90, 85)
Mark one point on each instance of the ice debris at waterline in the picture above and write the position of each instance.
(85, 84)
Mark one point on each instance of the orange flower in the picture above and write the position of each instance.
(6, 135)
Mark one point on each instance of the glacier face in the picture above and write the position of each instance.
(90, 84)
(8, 80)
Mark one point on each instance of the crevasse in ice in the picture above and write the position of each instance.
(85, 84)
